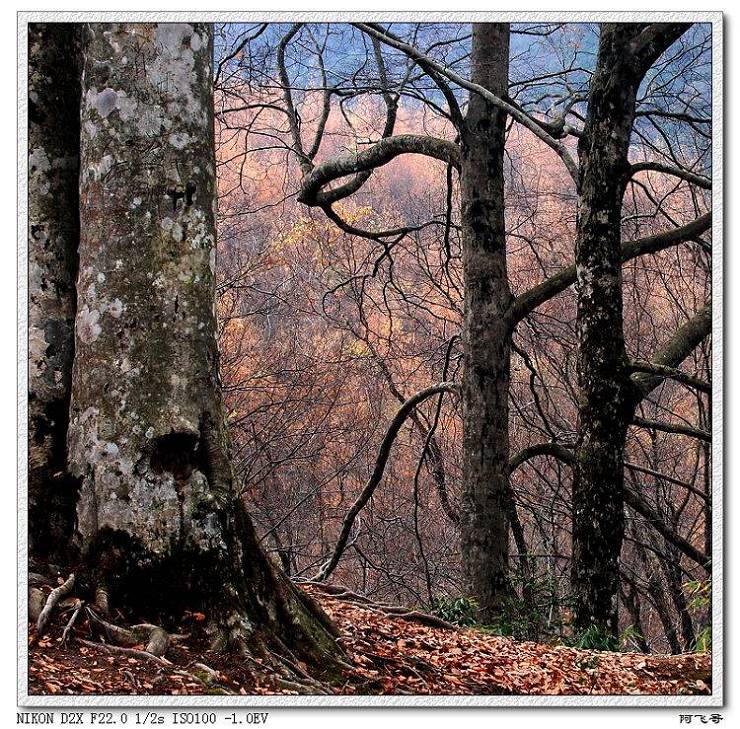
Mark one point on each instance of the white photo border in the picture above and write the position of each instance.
(716, 699)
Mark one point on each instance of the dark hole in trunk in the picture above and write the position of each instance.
(174, 453)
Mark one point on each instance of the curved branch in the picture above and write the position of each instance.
(527, 302)
(382, 459)
(237, 50)
(541, 449)
(387, 238)
(678, 116)
(377, 155)
(698, 180)
(636, 502)
(517, 114)
(653, 41)
(665, 477)
(377, 32)
(631, 498)
(673, 428)
(431, 444)
(671, 373)
(673, 352)
(293, 118)
(325, 103)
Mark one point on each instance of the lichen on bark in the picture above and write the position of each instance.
(605, 389)
(160, 522)
(484, 522)
(146, 374)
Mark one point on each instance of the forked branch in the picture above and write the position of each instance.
(380, 462)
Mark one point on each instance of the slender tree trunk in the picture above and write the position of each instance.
(53, 148)
(160, 522)
(671, 569)
(484, 521)
(626, 52)
(631, 600)
(657, 595)
(598, 481)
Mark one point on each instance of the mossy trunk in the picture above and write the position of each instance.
(603, 378)
(53, 233)
(160, 521)
(484, 522)
(626, 52)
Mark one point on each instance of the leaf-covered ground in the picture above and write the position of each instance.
(389, 654)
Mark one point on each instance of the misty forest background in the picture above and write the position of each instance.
(324, 333)
(462, 314)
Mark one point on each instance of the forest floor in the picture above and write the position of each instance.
(399, 653)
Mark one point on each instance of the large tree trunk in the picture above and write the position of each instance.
(626, 52)
(160, 522)
(53, 144)
(484, 523)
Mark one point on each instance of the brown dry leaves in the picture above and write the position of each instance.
(389, 655)
(399, 656)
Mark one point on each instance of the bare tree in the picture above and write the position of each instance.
(492, 312)
(382, 293)
(607, 398)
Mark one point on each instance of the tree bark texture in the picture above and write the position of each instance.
(484, 523)
(626, 52)
(159, 518)
(53, 233)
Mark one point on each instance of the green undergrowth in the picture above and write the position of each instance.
(534, 618)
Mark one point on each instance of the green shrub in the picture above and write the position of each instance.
(699, 592)
(700, 600)
(460, 611)
(630, 637)
(703, 642)
(595, 639)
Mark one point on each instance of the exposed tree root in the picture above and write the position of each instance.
(54, 597)
(102, 601)
(68, 627)
(125, 651)
(343, 593)
(212, 680)
(296, 676)
(286, 664)
(157, 639)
